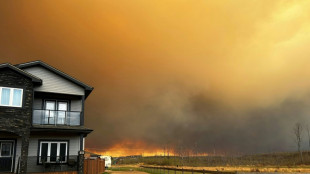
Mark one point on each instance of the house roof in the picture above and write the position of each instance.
(88, 89)
(24, 73)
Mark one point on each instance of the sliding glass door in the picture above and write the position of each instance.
(55, 112)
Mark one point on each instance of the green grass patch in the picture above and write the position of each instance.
(158, 171)
(122, 168)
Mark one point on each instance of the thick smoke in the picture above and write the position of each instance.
(203, 124)
(222, 77)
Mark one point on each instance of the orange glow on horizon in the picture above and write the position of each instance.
(129, 148)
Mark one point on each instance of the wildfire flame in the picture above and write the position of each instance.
(130, 148)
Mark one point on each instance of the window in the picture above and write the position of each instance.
(56, 112)
(6, 149)
(53, 151)
(11, 97)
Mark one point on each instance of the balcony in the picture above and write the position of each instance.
(51, 117)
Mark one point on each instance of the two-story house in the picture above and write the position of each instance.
(41, 119)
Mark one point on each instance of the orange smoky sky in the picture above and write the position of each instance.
(231, 76)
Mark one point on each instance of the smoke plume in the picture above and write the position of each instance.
(211, 76)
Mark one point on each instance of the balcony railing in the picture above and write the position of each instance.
(51, 117)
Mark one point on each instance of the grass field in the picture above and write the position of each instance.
(267, 169)
(147, 170)
(273, 162)
(258, 160)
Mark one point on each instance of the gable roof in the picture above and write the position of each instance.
(34, 79)
(88, 89)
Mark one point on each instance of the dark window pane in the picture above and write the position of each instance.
(6, 149)
(53, 152)
(44, 152)
(63, 151)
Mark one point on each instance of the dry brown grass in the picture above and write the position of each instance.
(296, 169)
(274, 162)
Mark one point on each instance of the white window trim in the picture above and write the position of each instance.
(11, 97)
(49, 150)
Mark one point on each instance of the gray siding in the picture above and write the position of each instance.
(76, 105)
(54, 83)
(33, 167)
(37, 103)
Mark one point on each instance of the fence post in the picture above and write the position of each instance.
(182, 171)
(88, 161)
(203, 171)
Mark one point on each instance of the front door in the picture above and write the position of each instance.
(6, 155)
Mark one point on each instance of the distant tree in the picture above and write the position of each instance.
(297, 132)
(168, 150)
(164, 148)
(308, 133)
(195, 150)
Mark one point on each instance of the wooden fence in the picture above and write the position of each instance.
(94, 166)
(165, 170)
